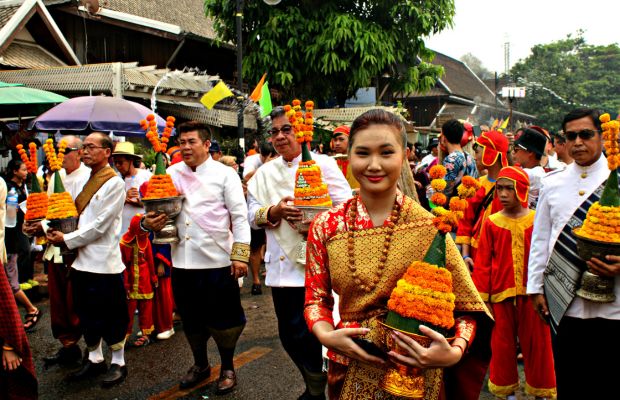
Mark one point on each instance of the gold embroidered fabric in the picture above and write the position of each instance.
(240, 252)
(261, 216)
(410, 241)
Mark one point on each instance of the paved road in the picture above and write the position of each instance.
(264, 370)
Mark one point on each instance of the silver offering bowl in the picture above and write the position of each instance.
(599, 289)
(308, 215)
(171, 206)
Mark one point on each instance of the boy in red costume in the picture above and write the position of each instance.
(491, 151)
(501, 278)
(140, 278)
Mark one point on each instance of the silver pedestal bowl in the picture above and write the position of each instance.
(308, 215)
(171, 206)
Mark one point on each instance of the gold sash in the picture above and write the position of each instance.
(92, 186)
(411, 239)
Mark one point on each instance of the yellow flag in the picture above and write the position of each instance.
(258, 90)
(504, 125)
(219, 92)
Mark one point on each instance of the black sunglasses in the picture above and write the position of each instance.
(70, 149)
(286, 129)
(583, 134)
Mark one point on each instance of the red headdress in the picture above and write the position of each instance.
(493, 145)
(468, 134)
(341, 130)
(520, 179)
(135, 232)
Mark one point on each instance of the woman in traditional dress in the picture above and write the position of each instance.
(360, 249)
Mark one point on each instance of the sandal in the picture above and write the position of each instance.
(32, 320)
(141, 341)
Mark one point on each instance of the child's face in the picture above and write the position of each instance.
(505, 189)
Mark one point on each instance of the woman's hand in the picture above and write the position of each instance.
(339, 340)
(10, 360)
(438, 354)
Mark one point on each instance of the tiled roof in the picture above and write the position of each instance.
(6, 12)
(28, 55)
(461, 81)
(188, 14)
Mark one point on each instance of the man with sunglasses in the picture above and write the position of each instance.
(65, 322)
(555, 268)
(270, 206)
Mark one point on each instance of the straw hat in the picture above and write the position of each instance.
(126, 149)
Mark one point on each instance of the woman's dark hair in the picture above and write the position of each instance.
(453, 130)
(13, 165)
(377, 116)
(579, 113)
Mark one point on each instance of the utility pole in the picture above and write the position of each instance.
(240, 122)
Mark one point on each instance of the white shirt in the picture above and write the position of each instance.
(251, 164)
(536, 175)
(75, 181)
(197, 249)
(553, 163)
(426, 161)
(281, 272)
(559, 198)
(135, 181)
(98, 234)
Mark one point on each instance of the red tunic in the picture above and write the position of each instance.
(468, 231)
(501, 278)
(502, 257)
(140, 275)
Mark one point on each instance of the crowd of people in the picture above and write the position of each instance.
(511, 258)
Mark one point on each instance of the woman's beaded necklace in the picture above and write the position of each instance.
(384, 253)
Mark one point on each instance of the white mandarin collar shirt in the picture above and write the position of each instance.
(198, 249)
(282, 272)
(98, 233)
(561, 194)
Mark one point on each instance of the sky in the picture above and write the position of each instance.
(481, 27)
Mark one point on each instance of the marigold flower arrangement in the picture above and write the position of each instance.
(310, 190)
(60, 204)
(602, 221)
(36, 202)
(160, 184)
(424, 294)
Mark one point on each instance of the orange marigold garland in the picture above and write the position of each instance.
(602, 221)
(424, 294)
(160, 184)
(60, 204)
(36, 202)
(310, 189)
(447, 220)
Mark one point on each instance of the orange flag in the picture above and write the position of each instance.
(258, 90)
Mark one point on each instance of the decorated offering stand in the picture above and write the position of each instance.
(61, 212)
(161, 196)
(424, 295)
(600, 233)
(36, 202)
(311, 193)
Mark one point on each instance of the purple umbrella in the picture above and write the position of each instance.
(96, 113)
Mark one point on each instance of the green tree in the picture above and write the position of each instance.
(567, 74)
(328, 49)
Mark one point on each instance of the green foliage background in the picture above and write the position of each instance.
(315, 49)
(567, 74)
